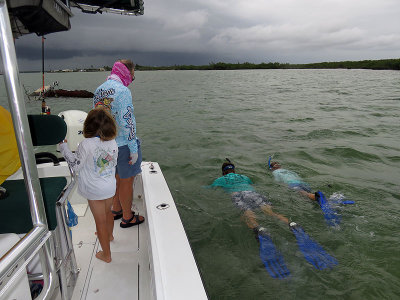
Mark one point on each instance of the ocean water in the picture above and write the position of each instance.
(338, 129)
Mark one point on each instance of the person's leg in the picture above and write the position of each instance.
(310, 196)
(268, 210)
(116, 204)
(125, 195)
(126, 198)
(250, 219)
(109, 218)
(98, 208)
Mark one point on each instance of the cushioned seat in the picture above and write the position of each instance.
(15, 214)
(46, 130)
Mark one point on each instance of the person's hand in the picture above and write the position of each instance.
(134, 158)
(63, 141)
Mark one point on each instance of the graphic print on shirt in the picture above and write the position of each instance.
(103, 98)
(130, 125)
(104, 161)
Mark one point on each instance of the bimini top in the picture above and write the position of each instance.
(47, 16)
(40, 17)
(127, 7)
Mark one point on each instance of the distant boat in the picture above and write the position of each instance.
(51, 91)
(39, 91)
(66, 93)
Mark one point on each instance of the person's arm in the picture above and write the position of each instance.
(128, 124)
(74, 160)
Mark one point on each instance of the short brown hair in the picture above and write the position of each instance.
(128, 63)
(99, 122)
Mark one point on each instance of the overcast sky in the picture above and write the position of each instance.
(203, 31)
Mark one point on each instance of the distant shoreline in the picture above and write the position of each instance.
(382, 64)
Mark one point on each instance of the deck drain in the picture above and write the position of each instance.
(162, 206)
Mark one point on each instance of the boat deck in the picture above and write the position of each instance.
(127, 274)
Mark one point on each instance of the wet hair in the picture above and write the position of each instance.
(274, 164)
(128, 63)
(99, 122)
(227, 166)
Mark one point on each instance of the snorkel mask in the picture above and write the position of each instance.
(228, 165)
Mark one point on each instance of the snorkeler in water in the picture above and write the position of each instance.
(293, 181)
(244, 196)
(247, 199)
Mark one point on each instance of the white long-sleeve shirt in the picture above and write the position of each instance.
(95, 161)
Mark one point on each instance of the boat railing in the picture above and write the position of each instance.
(37, 240)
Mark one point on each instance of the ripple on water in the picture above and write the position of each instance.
(351, 153)
(301, 120)
(330, 133)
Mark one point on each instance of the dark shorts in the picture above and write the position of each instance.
(249, 200)
(124, 169)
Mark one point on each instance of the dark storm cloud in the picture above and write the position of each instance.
(198, 32)
(59, 58)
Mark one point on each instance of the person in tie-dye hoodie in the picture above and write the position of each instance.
(116, 96)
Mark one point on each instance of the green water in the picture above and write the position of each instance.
(338, 129)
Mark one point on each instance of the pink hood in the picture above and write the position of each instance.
(122, 72)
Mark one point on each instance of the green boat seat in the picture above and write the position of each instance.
(15, 215)
(47, 129)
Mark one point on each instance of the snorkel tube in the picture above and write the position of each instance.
(269, 162)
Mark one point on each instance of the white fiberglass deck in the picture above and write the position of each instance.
(127, 276)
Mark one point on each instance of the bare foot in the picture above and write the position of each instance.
(100, 255)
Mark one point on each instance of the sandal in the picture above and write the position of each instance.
(117, 214)
(128, 222)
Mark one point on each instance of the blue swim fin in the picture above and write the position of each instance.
(339, 199)
(312, 251)
(332, 218)
(271, 257)
(342, 202)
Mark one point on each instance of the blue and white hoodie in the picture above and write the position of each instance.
(118, 98)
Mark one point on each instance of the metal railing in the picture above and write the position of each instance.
(37, 240)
